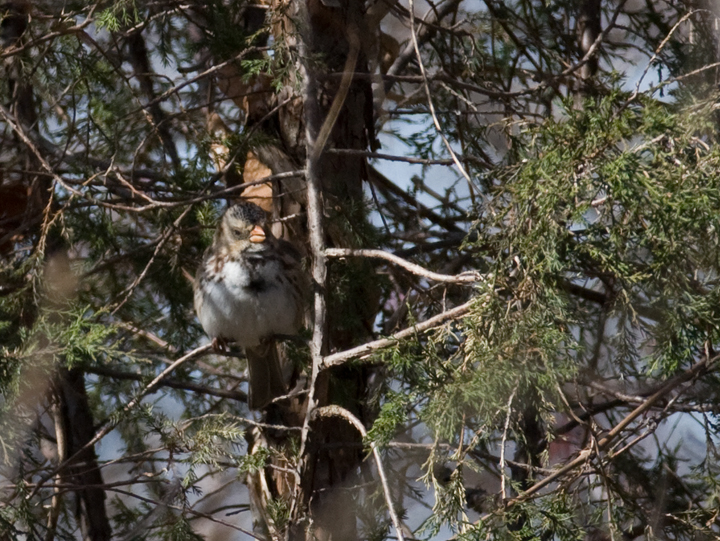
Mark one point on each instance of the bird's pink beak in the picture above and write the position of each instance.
(257, 234)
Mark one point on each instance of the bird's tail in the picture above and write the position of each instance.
(266, 377)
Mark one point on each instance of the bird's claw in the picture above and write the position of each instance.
(219, 344)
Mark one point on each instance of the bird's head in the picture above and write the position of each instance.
(243, 226)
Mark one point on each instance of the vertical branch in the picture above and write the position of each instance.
(386, 488)
(315, 226)
(588, 29)
(502, 446)
(140, 61)
(61, 440)
(319, 275)
(318, 144)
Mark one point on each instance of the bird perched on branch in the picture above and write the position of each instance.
(250, 288)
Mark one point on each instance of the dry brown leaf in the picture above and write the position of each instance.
(253, 96)
(218, 129)
(260, 194)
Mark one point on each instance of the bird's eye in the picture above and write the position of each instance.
(238, 232)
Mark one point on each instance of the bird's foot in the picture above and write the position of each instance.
(219, 344)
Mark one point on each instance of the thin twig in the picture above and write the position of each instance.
(163, 239)
(200, 198)
(171, 383)
(158, 504)
(169, 92)
(62, 447)
(14, 51)
(423, 34)
(431, 106)
(7, 117)
(406, 159)
(608, 491)
(469, 277)
(657, 52)
(318, 143)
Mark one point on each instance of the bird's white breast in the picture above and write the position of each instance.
(235, 306)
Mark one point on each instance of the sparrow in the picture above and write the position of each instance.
(250, 288)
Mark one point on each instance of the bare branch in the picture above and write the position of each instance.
(406, 159)
(313, 127)
(167, 382)
(337, 411)
(423, 35)
(469, 277)
(370, 347)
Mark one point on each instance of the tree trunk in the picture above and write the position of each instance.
(324, 505)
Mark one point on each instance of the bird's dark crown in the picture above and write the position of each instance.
(246, 212)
